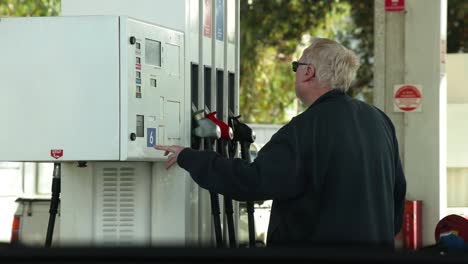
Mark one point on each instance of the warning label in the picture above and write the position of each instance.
(407, 98)
(56, 153)
(394, 5)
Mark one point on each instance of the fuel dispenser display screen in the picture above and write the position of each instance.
(153, 52)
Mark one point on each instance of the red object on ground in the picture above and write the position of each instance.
(455, 224)
(15, 229)
(226, 131)
(412, 225)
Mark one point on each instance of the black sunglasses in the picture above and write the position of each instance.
(296, 64)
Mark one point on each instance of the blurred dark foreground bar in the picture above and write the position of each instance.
(297, 254)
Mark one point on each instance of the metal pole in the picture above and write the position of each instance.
(54, 202)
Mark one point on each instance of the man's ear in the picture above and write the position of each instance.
(310, 72)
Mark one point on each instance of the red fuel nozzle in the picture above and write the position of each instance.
(226, 131)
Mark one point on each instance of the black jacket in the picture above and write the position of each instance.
(333, 172)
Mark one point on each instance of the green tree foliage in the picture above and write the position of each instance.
(272, 35)
(457, 33)
(359, 36)
(16, 8)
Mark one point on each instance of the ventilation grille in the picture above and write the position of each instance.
(118, 205)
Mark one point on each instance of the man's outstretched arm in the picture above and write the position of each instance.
(275, 173)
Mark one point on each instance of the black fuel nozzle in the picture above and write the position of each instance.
(243, 134)
(233, 144)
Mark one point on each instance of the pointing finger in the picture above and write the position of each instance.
(171, 161)
(161, 147)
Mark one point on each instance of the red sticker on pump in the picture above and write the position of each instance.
(394, 5)
(408, 98)
(56, 153)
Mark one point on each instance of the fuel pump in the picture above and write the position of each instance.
(245, 136)
(227, 135)
(209, 131)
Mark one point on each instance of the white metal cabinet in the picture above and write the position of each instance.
(68, 88)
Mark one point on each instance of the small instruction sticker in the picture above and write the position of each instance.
(407, 98)
(151, 137)
(56, 153)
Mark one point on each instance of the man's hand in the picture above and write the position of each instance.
(172, 159)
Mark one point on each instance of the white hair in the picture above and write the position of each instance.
(335, 65)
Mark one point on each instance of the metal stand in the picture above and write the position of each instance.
(54, 203)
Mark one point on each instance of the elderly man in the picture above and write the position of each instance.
(333, 172)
